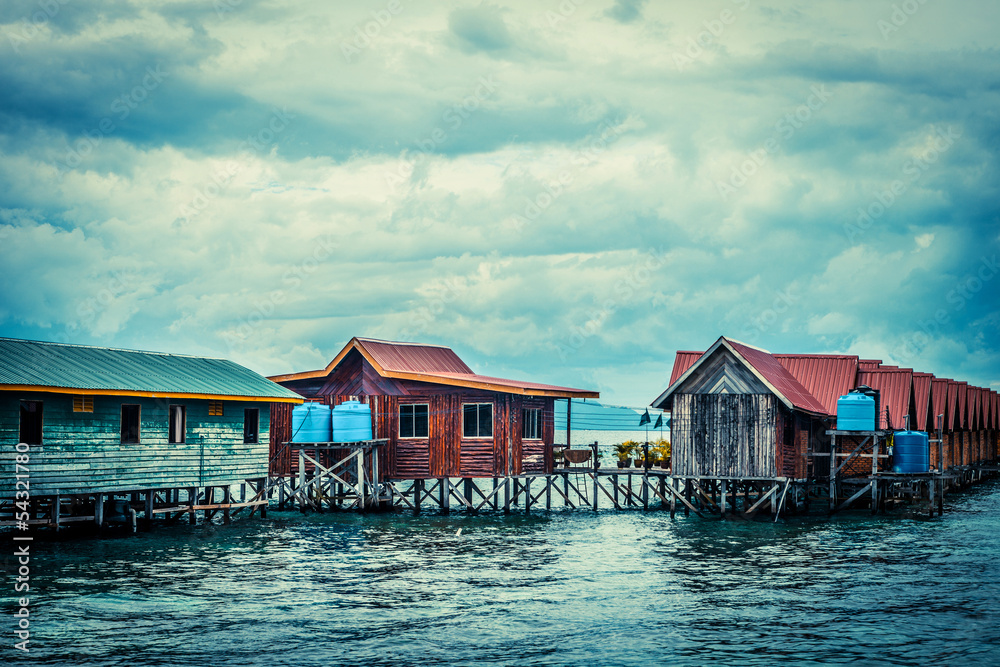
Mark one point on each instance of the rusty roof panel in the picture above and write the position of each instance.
(682, 362)
(783, 381)
(963, 403)
(413, 357)
(921, 398)
(952, 417)
(939, 401)
(894, 392)
(826, 377)
(973, 409)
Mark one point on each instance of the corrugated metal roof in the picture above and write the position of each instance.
(103, 369)
(869, 364)
(776, 374)
(921, 397)
(413, 357)
(963, 404)
(952, 417)
(827, 377)
(432, 363)
(939, 401)
(894, 386)
(996, 409)
(973, 407)
(682, 362)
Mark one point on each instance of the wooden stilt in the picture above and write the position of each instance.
(147, 520)
(99, 509)
(506, 495)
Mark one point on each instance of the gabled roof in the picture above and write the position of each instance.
(952, 417)
(939, 402)
(76, 369)
(963, 404)
(434, 364)
(921, 398)
(826, 376)
(894, 392)
(683, 360)
(764, 366)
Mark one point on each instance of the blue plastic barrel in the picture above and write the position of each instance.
(352, 422)
(856, 412)
(311, 423)
(911, 452)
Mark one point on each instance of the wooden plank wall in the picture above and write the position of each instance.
(82, 452)
(725, 435)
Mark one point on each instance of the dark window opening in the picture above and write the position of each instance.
(31, 423)
(251, 425)
(130, 424)
(477, 420)
(413, 422)
(531, 424)
(178, 424)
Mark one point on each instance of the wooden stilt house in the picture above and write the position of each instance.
(439, 417)
(97, 420)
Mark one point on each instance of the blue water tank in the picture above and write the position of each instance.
(856, 412)
(911, 452)
(311, 423)
(352, 422)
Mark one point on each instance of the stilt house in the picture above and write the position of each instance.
(439, 417)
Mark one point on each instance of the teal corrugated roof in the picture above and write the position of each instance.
(82, 367)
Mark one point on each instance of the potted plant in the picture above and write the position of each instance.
(624, 452)
(662, 449)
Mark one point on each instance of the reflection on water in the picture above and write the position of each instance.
(569, 587)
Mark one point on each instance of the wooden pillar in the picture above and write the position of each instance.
(687, 496)
(614, 488)
(673, 496)
(148, 520)
(99, 509)
(496, 500)
(55, 512)
(722, 499)
(732, 507)
(444, 495)
(548, 492)
(506, 495)
(262, 495)
(192, 500)
(467, 491)
(360, 456)
(833, 473)
(227, 499)
(569, 422)
(418, 492)
(527, 495)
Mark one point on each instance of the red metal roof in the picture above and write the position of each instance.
(973, 407)
(434, 364)
(921, 398)
(952, 418)
(826, 377)
(963, 400)
(778, 377)
(869, 364)
(413, 357)
(682, 362)
(939, 401)
(894, 392)
(996, 409)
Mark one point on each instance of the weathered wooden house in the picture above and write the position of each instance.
(102, 421)
(730, 402)
(737, 412)
(439, 417)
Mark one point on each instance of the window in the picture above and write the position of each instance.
(215, 408)
(130, 424)
(413, 421)
(531, 424)
(178, 423)
(251, 425)
(477, 420)
(83, 404)
(31, 423)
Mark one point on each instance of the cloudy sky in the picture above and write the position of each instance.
(561, 191)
